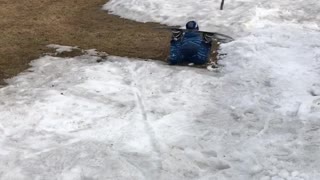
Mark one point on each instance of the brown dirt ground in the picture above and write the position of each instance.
(26, 27)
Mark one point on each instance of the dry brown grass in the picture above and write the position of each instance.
(26, 27)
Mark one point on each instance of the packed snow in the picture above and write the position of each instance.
(237, 16)
(60, 48)
(257, 117)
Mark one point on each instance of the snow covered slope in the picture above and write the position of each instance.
(236, 17)
(75, 118)
(257, 118)
(271, 81)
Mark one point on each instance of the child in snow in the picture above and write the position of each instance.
(189, 46)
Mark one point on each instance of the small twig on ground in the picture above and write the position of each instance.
(221, 6)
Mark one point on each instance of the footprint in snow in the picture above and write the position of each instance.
(212, 161)
(315, 107)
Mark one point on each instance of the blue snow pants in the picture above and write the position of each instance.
(189, 49)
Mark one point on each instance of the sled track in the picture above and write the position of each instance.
(148, 128)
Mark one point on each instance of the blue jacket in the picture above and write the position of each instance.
(191, 48)
(191, 43)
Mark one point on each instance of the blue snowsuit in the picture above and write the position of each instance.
(189, 49)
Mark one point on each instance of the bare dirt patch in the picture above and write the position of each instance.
(26, 27)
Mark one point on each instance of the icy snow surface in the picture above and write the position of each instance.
(257, 118)
(236, 17)
(60, 48)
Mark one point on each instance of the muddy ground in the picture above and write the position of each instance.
(26, 27)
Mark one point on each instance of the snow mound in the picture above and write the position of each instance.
(72, 118)
(233, 19)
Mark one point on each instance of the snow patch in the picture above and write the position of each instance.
(61, 49)
(232, 20)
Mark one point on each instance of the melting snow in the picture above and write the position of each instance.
(258, 117)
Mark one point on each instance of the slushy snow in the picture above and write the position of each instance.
(60, 48)
(237, 17)
(257, 117)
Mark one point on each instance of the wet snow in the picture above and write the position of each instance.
(256, 117)
(236, 18)
(60, 48)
